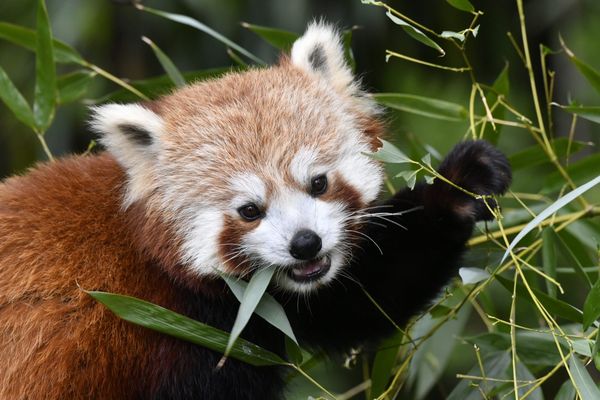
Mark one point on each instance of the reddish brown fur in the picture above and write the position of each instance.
(229, 240)
(50, 327)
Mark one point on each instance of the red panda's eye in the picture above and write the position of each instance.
(318, 185)
(250, 212)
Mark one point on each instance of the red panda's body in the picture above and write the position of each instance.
(62, 229)
(259, 168)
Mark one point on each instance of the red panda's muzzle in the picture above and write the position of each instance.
(311, 270)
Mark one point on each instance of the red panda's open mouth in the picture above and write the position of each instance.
(311, 270)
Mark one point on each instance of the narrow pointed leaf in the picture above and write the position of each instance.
(74, 85)
(454, 35)
(421, 105)
(236, 58)
(166, 63)
(268, 308)
(582, 380)
(554, 207)
(580, 171)
(574, 261)
(185, 20)
(549, 258)
(472, 275)
(383, 364)
(390, 154)
(596, 351)
(27, 39)
(415, 33)
(463, 5)
(14, 100)
(535, 155)
(348, 53)
(254, 292)
(555, 306)
(278, 38)
(45, 72)
(502, 83)
(566, 391)
(160, 319)
(591, 113)
(159, 85)
(495, 366)
(591, 74)
(591, 308)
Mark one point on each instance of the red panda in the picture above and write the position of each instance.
(256, 168)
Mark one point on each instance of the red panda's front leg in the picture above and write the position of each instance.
(411, 256)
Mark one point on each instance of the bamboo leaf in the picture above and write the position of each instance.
(254, 292)
(14, 100)
(74, 85)
(591, 113)
(502, 83)
(185, 20)
(45, 94)
(278, 38)
(384, 363)
(549, 258)
(426, 106)
(158, 86)
(535, 155)
(495, 365)
(463, 5)
(268, 308)
(166, 63)
(347, 43)
(390, 154)
(591, 307)
(430, 360)
(566, 391)
(581, 171)
(27, 38)
(555, 306)
(415, 33)
(160, 319)
(554, 207)
(596, 351)
(454, 35)
(575, 263)
(472, 275)
(592, 75)
(583, 381)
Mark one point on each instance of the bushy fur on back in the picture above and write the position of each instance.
(158, 216)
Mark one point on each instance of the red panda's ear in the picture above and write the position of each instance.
(319, 51)
(130, 132)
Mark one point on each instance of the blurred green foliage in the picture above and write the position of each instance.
(469, 330)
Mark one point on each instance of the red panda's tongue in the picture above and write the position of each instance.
(311, 270)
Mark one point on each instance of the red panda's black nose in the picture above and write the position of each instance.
(305, 245)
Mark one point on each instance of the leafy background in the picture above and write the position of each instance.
(494, 341)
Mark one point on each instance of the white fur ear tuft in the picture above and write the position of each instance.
(320, 51)
(130, 132)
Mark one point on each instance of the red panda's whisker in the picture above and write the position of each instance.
(368, 237)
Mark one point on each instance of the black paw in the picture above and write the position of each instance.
(479, 168)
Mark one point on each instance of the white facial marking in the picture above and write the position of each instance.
(303, 165)
(249, 188)
(201, 241)
(288, 212)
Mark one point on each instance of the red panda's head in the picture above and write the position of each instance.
(263, 167)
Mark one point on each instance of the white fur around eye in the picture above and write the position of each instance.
(248, 188)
